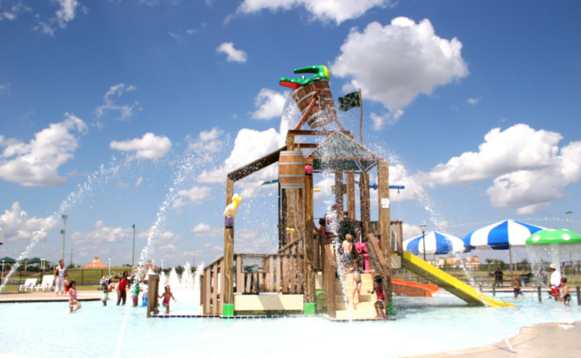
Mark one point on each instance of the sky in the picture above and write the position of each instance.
(132, 112)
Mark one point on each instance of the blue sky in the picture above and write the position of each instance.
(475, 104)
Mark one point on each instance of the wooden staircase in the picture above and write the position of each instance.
(365, 309)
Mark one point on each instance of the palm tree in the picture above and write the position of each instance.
(489, 261)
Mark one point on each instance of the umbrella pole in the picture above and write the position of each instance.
(510, 260)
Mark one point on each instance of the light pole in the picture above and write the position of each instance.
(568, 213)
(133, 259)
(2, 270)
(41, 269)
(109, 267)
(63, 231)
(162, 264)
(423, 227)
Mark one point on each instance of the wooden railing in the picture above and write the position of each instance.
(293, 247)
(277, 273)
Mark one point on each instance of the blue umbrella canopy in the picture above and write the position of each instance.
(500, 235)
(436, 243)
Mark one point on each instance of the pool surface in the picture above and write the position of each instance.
(423, 326)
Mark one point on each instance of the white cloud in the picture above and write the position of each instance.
(10, 9)
(18, 226)
(519, 147)
(207, 145)
(233, 54)
(63, 15)
(386, 118)
(195, 31)
(149, 146)
(138, 182)
(269, 103)
(36, 163)
(322, 10)
(104, 234)
(205, 230)
(473, 101)
(126, 111)
(415, 185)
(4, 89)
(195, 195)
(393, 64)
(531, 191)
(410, 231)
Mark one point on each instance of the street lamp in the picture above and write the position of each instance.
(568, 213)
(2, 270)
(109, 267)
(133, 259)
(63, 231)
(162, 265)
(423, 227)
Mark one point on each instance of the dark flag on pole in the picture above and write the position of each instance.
(349, 101)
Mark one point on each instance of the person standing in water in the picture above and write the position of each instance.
(555, 284)
(122, 287)
(60, 273)
(73, 298)
(167, 295)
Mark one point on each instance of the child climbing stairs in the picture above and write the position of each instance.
(365, 308)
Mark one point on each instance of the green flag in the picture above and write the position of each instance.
(349, 101)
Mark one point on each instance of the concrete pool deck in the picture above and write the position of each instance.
(15, 297)
(538, 341)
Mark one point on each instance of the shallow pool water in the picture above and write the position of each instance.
(424, 325)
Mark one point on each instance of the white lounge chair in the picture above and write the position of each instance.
(28, 285)
(46, 284)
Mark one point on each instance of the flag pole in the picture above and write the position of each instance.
(361, 117)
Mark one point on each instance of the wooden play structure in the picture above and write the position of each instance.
(305, 263)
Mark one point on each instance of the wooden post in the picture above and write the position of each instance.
(329, 281)
(284, 224)
(308, 242)
(339, 190)
(365, 204)
(351, 195)
(227, 269)
(385, 223)
(540, 298)
(153, 289)
(398, 229)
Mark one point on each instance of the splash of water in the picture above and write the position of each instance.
(97, 179)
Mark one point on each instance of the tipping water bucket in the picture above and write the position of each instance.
(291, 169)
(318, 117)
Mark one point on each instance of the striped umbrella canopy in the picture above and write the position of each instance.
(436, 243)
(501, 236)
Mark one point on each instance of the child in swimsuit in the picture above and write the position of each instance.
(73, 298)
(565, 294)
(135, 290)
(516, 287)
(379, 304)
(167, 295)
(356, 271)
(106, 291)
(347, 248)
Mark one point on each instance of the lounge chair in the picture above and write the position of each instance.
(46, 284)
(28, 285)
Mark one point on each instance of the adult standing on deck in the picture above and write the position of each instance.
(498, 277)
(60, 273)
(555, 284)
(332, 221)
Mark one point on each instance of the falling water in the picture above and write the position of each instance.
(83, 191)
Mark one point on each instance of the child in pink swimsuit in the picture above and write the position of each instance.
(73, 298)
(167, 295)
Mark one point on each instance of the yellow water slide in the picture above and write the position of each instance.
(448, 282)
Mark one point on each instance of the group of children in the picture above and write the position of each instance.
(559, 293)
(377, 289)
(135, 290)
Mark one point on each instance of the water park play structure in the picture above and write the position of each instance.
(302, 277)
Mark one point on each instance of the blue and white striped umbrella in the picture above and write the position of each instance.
(498, 236)
(436, 243)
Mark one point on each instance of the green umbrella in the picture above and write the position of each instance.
(8, 260)
(554, 236)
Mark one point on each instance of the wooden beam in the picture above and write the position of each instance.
(351, 195)
(290, 140)
(364, 203)
(385, 222)
(315, 132)
(308, 242)
(284, 222)
(339, 190)
(255, 166)
(227, 268)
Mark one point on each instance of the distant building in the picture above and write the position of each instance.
(96, 264)
(149, 265)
